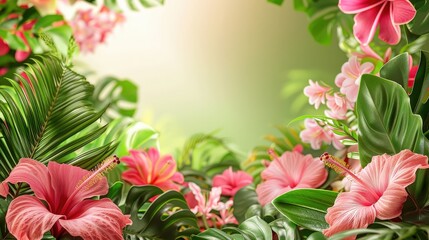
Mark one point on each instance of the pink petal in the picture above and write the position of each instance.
(389, 176)
(21, 55)
(96, 219)
(366, 24)
(350, 211)
(270, 189)
(65, 179)
(134, 177)
(4, 47)
(389, 31)
(28, 218)
(34, 174)
(402, 11)
(357, 6)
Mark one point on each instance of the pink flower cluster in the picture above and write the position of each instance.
(91, 27)
(203, 206)
(338, 103)
(317, 133)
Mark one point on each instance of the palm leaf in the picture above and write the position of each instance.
(40, 116)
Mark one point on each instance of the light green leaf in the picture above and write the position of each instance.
(306, 207)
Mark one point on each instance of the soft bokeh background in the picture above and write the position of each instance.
(237, 66)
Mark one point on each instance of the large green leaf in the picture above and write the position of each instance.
(119, 96)
(306, 207)
(168, 217)
(386, 122)
(40, 117)
(388, 125)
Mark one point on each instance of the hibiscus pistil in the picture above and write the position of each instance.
(341, 167)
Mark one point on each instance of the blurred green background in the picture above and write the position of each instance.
(237, 66)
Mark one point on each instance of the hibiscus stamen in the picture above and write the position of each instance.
(341, 167)
(98, 172)
(94, 176)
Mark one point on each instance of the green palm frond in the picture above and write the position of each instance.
(40, 116)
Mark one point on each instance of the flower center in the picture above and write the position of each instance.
(341, 167)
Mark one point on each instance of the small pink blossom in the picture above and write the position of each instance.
(290, 171)
(91, 27)
(338, 106)
(148, 167)
(387, 15)
(231, 182)
(316, 93)
(378, 191)
(315, 134)
(205, 206)
(349, 79)
(62, 203)
(368, 52)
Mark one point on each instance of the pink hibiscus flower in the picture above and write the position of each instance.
(231, 182)
(148, 167)
(62, 202)
(316, 93)
(349, 79)
(387, 15)
(290, 171)
(378, 191)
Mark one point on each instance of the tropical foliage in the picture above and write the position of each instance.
(75, 163)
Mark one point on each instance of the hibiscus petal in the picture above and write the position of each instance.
(28, 218)
(402, 11)
(269, 190)
(350, 211)
(96, 219)
(389, 31)
(389, 176)
(65, 179)
(366, 24)
(34, 174)
(357, 6)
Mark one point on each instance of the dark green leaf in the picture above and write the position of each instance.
(420, 24)
(256, 228)
(306, 207)
(168, 217)
(397, 70)
(115, 192)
